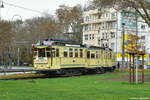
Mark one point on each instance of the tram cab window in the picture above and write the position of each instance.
(81, 53)
(41, 52)
(76, 52)
(35, 54)
(88, 54)
(65, 52)
(70, 52)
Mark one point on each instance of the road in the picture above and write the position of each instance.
(13, 67)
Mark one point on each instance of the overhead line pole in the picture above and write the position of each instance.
(123, 53)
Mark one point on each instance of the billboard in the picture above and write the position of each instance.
(130, 42)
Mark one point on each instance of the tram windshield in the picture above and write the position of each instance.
(46, 52)
(41, 52)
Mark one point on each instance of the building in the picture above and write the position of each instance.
(105, 28)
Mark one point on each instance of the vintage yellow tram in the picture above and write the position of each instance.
(61, 57)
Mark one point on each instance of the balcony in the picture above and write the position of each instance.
(96, 21)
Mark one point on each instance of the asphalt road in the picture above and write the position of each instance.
(13, 67)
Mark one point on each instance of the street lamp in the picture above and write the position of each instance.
(17, 15)
(2, 5)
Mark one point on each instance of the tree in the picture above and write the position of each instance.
(6, 35)
(142, 7)
(6, 38)
(31, 31)
(70, 18)
(51, 29)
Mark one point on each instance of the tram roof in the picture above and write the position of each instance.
(52, 42)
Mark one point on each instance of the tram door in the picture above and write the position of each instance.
(51, 54)
(55, 60)
(48, 54)
(88, 59)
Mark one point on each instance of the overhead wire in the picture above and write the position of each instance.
(10, 4)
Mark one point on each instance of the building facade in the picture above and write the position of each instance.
(105, 28)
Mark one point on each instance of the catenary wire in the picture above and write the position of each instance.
(10, 4)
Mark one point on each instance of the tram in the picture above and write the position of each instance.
(63, 57)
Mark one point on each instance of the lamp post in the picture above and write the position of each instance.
(136, 19)
(1, 6)
(18, 61)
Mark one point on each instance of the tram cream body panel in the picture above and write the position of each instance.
(69, 62)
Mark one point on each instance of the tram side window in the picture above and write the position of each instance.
(53, 52)
(57, 52)
(81, 53)
(48, 52)
(41, 52)
(70, 52)
(88, 54)
(92, 55)
(97, 53)
(65, 52)
(76, 52)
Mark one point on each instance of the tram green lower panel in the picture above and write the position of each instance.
(71, 65)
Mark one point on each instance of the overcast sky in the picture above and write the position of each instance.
(40, 5)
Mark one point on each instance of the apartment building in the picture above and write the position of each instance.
(104, 29)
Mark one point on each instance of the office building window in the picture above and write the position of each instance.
(92, 36)
(86, 37)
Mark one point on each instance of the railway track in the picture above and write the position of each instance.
(25, 75)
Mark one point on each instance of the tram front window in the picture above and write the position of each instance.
(41, 52)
